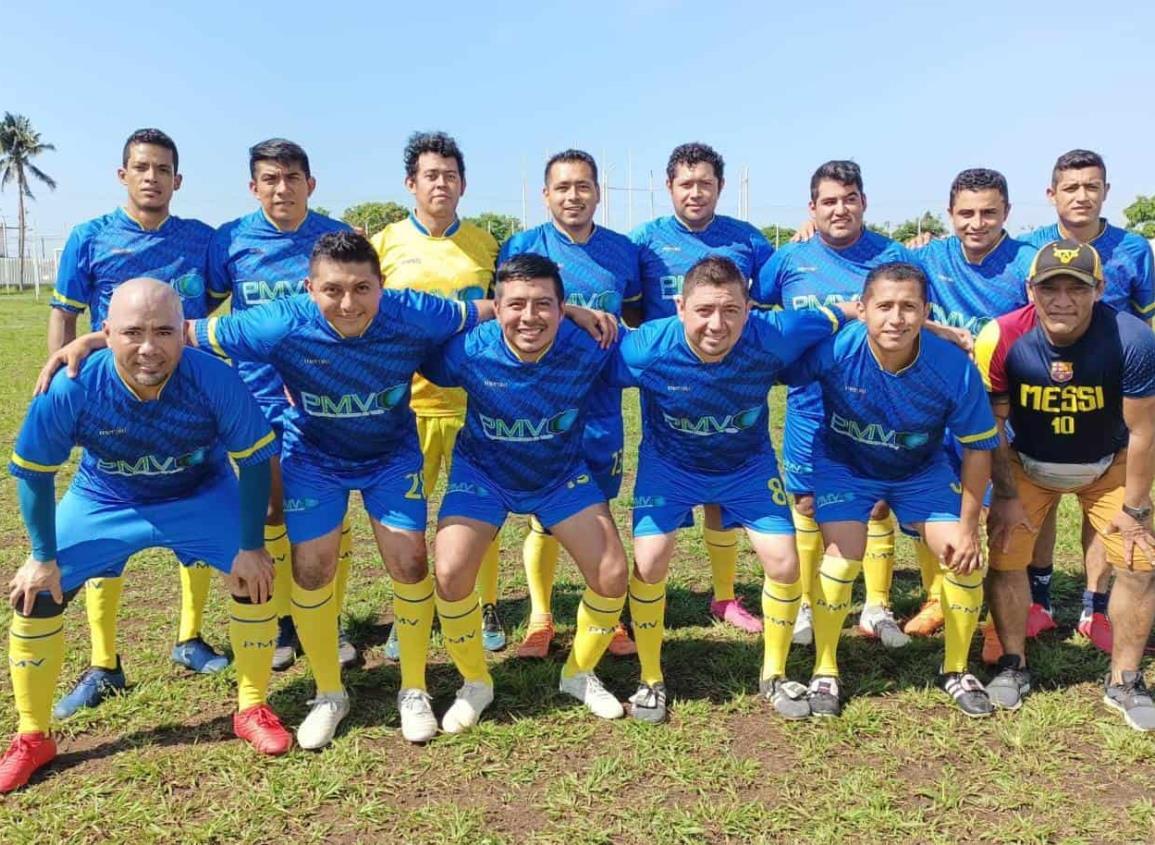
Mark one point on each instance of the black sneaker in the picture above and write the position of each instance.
(824, 696)
(1131, 698)
(968, 693)
(1010, 684)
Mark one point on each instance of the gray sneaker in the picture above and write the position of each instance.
(1010, 684)
(788, 697)
(392, 647)
(1132, 699)
(347, 653)
(287, 647)
(824, 696)
(648, 704)
(877, 621)
(968, 693)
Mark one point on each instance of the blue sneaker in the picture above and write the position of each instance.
(198, 656)
(95, 685)
(392, 647)
(492, 633)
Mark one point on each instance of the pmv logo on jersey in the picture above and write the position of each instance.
(609, 301)
(153, 464)
(258, 291)
(709, 425)
(813, 300)
(353, 405)
(525, 430)
(873, 434)
(956, 320)
(671, 286)
(190, 286)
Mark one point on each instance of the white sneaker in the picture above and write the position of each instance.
(471, 701)
(803, 626)
(586, 688)
(418, 724)
(878, 621)
(319, 726)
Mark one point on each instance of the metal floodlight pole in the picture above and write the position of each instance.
(630, 190)
(653, 214)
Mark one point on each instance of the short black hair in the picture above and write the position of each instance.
(1077, 160)
(715, 271)
(345, 247)
(694, 153)
(897, 271)
(979, 179)
(530, 265)
(431, 142)
(154, 137)
(572, 157)
(280, 150)
(843, 172)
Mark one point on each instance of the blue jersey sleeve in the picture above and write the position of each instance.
(442, 366)
(437, 317)
(635, 351)
(1138, 357)
(632, 284)
(766, 287)
(971, 421)
(1143, 287)
(220, 283)
(46, 439)
(249, 335)
(74, 282)
(807, 368)
(245, 432)
(792, 333)
(763, 252)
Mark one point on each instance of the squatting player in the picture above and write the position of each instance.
(140, 239)
(669, 247)
(258, 259)
(1075, 381)
(155, 422)
(435, 252)
(704, 376)
(889, 391)
(599, 270)
(1078, 190)
(825, 269)
(529, 376)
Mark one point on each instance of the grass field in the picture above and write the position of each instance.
(160, 763)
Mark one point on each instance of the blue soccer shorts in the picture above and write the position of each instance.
(603, 446)
(797, 453)
(932, 494)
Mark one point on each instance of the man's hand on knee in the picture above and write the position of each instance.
(31, 579)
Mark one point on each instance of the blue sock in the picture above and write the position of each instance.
(1095, 602)
(1088, 602)
(1040, 578)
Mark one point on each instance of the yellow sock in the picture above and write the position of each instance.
(277, 545)
(540, 553)
(780, 603)
(344, 559)
(878, 564)
(832, 591)
(195, 582)
(35, 655)
(962, 600)
(808, 539)
(722, 547)
(930, 569)
(102, 601)
(461, 628)
(487, 574)
(597, 617)
(253, 634)
(413, 616)
(315, 616)
(648, 612)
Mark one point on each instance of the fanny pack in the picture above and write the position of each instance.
(1064, 477)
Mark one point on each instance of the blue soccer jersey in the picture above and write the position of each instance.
(523, 419)
(138, 452)
(349, 395)
(668, 250)
(890, 426)
(711, 417)
(104, 252)
(257, 263)
(968, 296)
(1127, 266)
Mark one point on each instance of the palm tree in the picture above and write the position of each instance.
(19, 144)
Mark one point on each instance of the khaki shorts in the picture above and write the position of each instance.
(1100, 501)
(437, 436)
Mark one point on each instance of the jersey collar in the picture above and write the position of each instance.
(1103, 226)
(517, 355)
(132, 222)
(564, 235)
(420, 227)
(278, 229)
(986, 254)
(129, 388)
(681, 224)
(907, 368)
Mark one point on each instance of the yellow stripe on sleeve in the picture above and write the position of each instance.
(59, 297)
(972, 438)
(32, 465)
(1144, 310)
(216, 295)
(260, 444)
(831, 316)
(211, 331)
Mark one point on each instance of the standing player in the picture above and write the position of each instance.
(1075, 381)
(1078, 190)
(669, 247)
(975, 275)
(704, 376)
(889, 391)
(433, 251)
(155, 422)
(599, 270)
(530, 377)
(826, 269)
(141, 239)
(257, 259)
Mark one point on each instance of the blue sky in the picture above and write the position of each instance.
(913, 92)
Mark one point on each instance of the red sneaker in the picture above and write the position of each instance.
(535, 646)
(733, 613)
(1039, 620)
(621, 645)
(1097, 628)
(927, 622)
(259, 727)
(25, 755)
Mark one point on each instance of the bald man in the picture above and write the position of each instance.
(158, 424)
